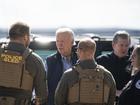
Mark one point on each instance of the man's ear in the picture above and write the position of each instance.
(26, 37)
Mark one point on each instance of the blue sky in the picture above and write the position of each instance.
(71, 13)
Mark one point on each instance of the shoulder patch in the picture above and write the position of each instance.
(137, 85)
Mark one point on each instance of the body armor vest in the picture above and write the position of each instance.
(14, 76)
(90, 88)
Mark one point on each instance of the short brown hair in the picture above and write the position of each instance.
(18, 30)
(87, 44)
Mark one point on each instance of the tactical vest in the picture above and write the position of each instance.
(90, 88)
(15, 80)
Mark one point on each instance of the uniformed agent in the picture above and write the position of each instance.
(21, 70)
(87, 83)
(131, 93)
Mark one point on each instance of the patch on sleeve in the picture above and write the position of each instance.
(137, 84)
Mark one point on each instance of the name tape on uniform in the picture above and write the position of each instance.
(11, 58)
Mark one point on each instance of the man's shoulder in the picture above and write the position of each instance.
(32, 56)
(108, 77)
(53, 56)
(70, 73)
(72, 70)
(107, 55)
(54, 59)
(104, 57)
(103, 69)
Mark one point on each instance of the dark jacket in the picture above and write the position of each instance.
(54, 73)
(131, 93)
(118, 67)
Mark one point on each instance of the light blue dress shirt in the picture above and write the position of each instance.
(66, 63)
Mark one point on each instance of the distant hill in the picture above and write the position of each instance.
(3, 32)
(107, 31)
(79, 31)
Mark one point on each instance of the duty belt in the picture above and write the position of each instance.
(17, 96)
(13, 101)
